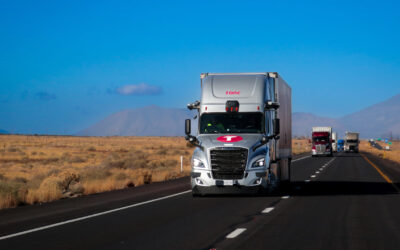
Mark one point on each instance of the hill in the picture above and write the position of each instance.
(146, 121)
(378, 120)
(4, 132)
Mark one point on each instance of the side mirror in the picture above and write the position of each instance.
(276, 125)
(187, 127)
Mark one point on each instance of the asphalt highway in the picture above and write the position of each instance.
(349, 201)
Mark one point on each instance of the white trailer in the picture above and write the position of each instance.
(334, 142)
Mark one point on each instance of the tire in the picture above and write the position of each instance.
(285, 185)
(196, 193)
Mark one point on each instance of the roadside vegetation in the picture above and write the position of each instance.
(37, 169)
(393, 154)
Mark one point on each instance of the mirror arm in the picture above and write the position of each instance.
(262, 143)
(193, 140)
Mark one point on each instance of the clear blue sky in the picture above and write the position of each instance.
(65, 65)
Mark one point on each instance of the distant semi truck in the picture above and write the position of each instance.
(334, 142)
(340, 145)
(244, 133)
(351, 142)
(321, 141)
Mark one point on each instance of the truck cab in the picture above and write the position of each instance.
(340, 145)
(243, 142)
(351, 142)
(321, 141)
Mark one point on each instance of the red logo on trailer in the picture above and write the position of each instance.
(230, 138)
(232, 92)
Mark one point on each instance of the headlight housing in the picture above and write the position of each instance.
(260, 163)
(196, 163)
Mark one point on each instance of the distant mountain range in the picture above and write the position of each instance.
(2, 131)
(147, 121)
(379, 120)
(382, 119)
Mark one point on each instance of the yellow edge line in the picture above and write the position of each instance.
(387, 179)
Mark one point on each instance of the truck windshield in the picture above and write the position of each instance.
(352, 141)
(224, 123)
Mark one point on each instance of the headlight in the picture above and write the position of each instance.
(196, 163)
(259, 163)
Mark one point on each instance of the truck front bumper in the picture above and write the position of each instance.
(315, 152)
(252, 182)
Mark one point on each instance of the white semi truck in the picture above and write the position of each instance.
(244, 141)
(334, 142)
(351, 141)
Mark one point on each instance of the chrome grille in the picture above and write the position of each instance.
(228, 163)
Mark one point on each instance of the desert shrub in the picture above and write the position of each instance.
(91, 149)
(76, 188)
(135, 163)
(147, 178)
(95, 173)
(49, 189)
(176, 152)
(121, 176)
(34, 153)
(76, 159)
(162, 151)
(123, 150)
(53, 187)
(20, 180)
(13, 149)
(11, 194)
(169, 163)
(2, 177)
(35, 181)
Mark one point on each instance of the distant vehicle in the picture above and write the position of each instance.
(321, 141)
(340, 145)
(244, 141)
(351, 141)
(334, 141)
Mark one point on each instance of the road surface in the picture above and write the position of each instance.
(341, 202)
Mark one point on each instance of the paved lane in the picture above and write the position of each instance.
(347, 204)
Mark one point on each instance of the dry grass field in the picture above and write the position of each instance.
(36, 169)
(393, 154)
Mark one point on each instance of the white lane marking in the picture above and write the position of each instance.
(307, 180)
(91, 216)
(321, 169)
(313, 176)
(305, 157)
(235, 233)
(267, 210)
(317, 172)
(286, 197)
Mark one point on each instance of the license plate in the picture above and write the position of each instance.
(224, 182)
(228, 182)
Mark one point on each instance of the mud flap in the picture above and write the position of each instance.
(274, 174)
